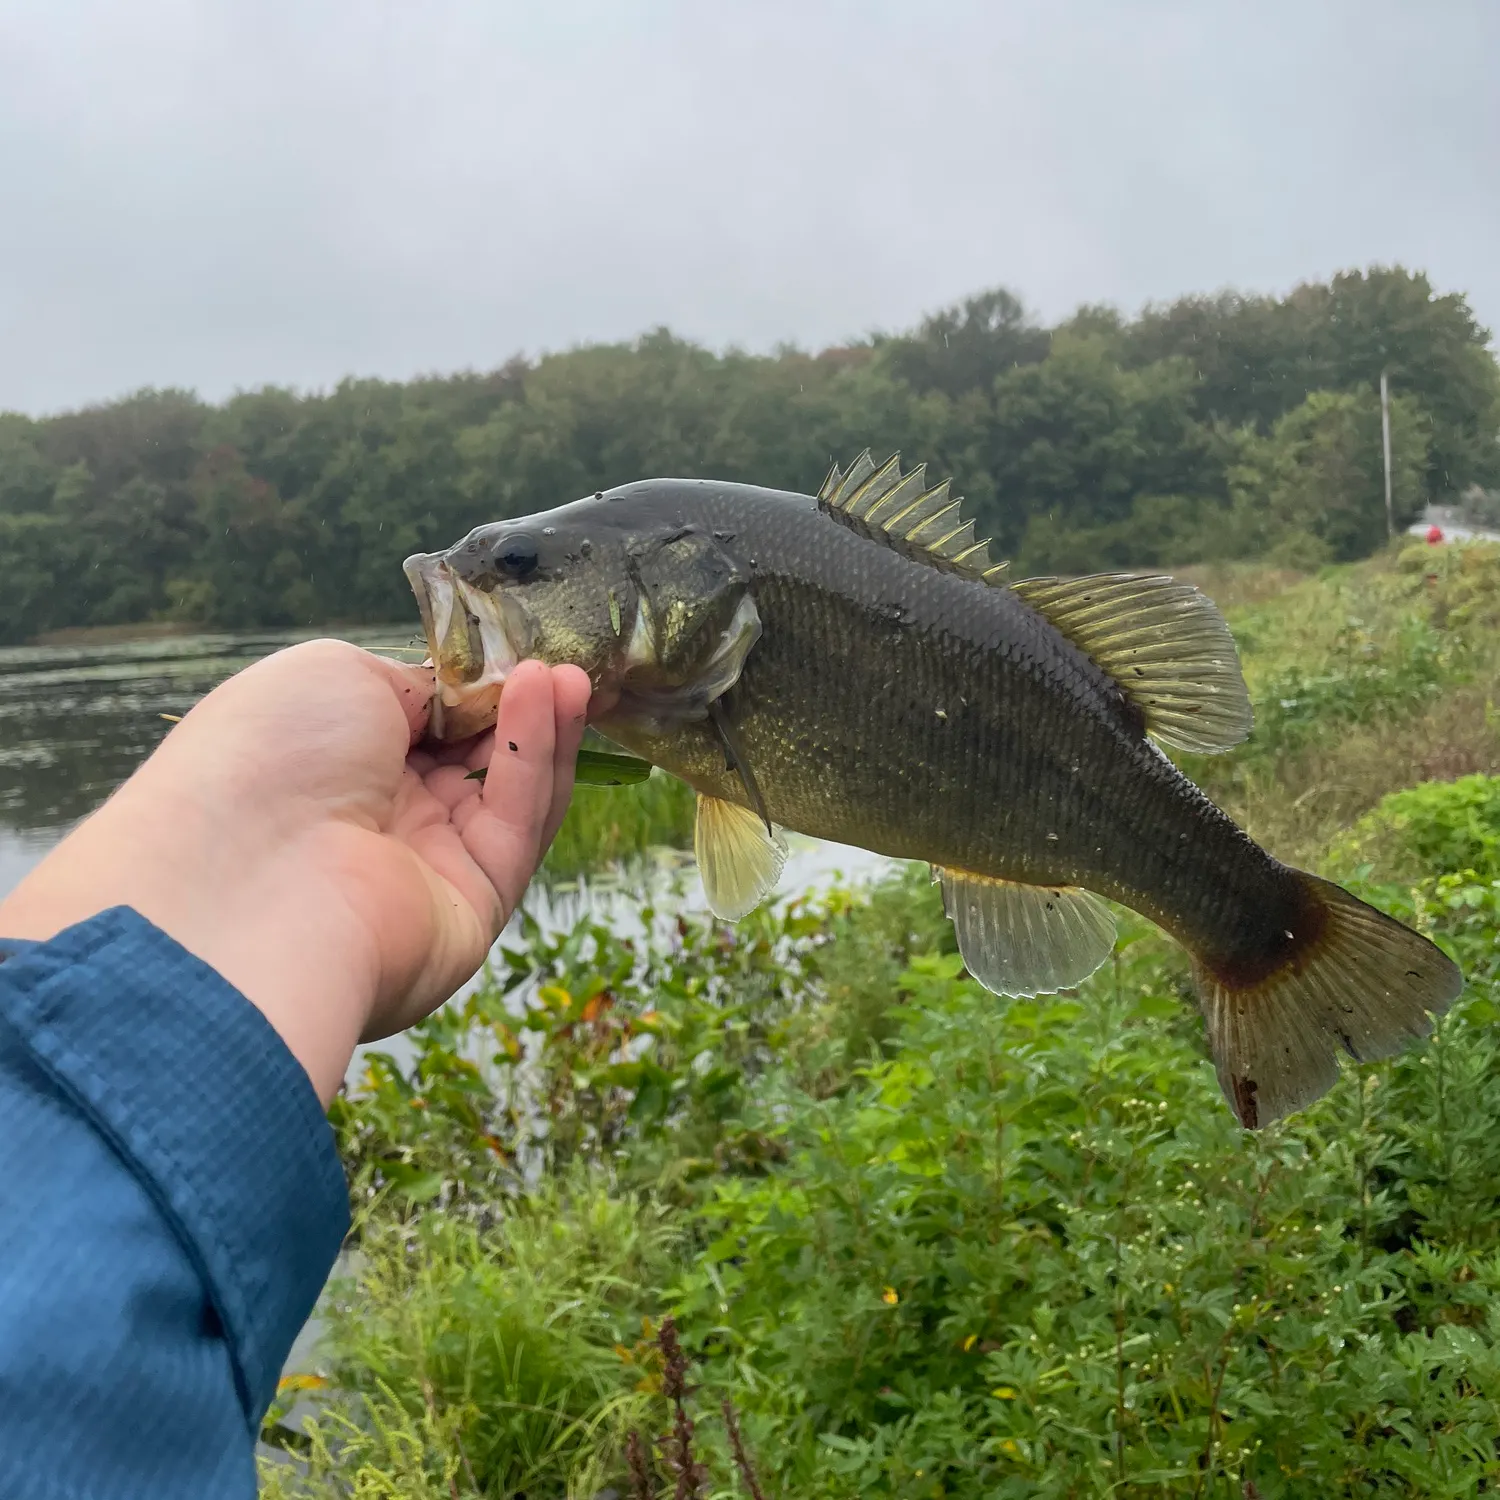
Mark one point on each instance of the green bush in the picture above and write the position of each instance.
(1439, 825)
(1030, 1253)
(1021, 1248)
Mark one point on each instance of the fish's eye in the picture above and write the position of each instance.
(516, 556)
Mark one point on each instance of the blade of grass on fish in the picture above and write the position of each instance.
(598, 768)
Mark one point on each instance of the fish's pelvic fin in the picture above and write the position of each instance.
(1356, 981)
(736, 760)
(1026, 939)
(901, 512)
(1164, 643)
(739, 858)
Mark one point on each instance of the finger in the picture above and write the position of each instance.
(502, 828)
(605, 699)
(413, 686)
(570, 705)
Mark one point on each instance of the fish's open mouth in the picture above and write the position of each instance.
(474, 641)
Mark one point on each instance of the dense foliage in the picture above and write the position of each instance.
(1227, 426)
(934, 1244)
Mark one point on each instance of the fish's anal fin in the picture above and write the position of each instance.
(739, 859)
(1026, 939)
(1355, 982)
(1164, 644)
(901, 512)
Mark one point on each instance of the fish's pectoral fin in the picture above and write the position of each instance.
(740, 858)
(1026, 939)
(1165, 645)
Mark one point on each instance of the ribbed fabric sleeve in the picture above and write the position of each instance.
(171, 1203)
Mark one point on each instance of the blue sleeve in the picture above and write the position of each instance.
(170, 1204)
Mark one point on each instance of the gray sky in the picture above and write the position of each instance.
(223, 193)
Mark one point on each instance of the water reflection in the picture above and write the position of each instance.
(75, 721)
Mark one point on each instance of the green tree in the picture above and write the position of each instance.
(1075, 440)
(1435, 352)
(1316, 486)
(1102, 442)
(964, 348)
(250, 569)
(27, 478)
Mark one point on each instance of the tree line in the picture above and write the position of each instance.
(1216, 426)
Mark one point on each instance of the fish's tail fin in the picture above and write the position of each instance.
(1354, 980)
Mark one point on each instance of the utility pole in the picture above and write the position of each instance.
(1385, 440)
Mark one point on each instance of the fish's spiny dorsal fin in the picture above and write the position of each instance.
(900, 512)
(1165, 645)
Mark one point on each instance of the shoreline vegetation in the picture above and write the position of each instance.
(928, 1243)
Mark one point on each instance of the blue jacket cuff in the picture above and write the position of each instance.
(198, 1094)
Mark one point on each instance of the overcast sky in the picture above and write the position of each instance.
(223, 193)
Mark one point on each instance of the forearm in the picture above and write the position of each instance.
(171, 1206)
(216, 883)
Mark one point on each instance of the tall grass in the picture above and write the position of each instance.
(1365, 679)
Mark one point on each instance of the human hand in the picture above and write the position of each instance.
(287, 833)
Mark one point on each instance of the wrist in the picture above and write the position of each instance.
(303, 963)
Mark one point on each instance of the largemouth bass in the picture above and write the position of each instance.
(851, 665)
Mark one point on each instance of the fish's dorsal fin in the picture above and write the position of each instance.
(1026, 939)
(1165, 645)
(899, 511)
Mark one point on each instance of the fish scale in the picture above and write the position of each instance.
(848, 665)
(859, 756)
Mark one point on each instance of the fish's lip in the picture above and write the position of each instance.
(417, 568)
(463, 706)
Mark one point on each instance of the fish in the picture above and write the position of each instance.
(852, 665)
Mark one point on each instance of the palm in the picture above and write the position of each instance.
(428, 860)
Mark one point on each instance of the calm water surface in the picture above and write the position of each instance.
(75, 721)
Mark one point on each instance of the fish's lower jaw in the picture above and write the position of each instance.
(472, 645)
(462, 717)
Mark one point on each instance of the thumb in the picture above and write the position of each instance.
(414, 688)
